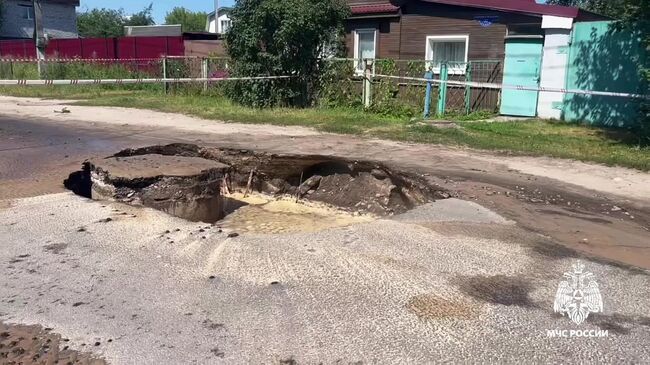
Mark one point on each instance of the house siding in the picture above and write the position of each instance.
(388, 36)
(60, 20)
(405, 37)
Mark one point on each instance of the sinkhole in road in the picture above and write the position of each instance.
(251, 190)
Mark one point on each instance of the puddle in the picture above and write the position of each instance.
(271, 215)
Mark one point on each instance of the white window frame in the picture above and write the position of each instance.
(225, 25)
(359, 66)
(442, 39)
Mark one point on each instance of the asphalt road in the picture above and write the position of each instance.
(449, 282)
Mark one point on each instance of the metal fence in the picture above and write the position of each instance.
(340, 83)
(343, 81)
(172, 67)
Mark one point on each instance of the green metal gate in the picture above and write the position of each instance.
(522, 67)
(603, 58)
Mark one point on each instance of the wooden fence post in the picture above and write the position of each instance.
(204, 72)
(427, 96)
(367, 83)
(468, 89)
(164, 67)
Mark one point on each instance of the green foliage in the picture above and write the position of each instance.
(191, 21)
(636, 17)
(106, 23)
(385, 92)
(281, 37)
(101, 23)
(611, 8)
(143, 17)
(338, 86)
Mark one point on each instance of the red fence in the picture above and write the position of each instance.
(110, 48)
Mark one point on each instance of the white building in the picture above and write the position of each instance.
(222, 24)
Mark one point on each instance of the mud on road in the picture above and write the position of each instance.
(20, 344)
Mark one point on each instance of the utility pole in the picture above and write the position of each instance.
(39, 35)
(216, 16)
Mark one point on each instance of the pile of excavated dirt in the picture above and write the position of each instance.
(189, 181)
(20, 344)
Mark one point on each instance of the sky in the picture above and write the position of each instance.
(160, 7)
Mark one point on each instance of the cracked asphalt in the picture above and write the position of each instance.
(458, 280)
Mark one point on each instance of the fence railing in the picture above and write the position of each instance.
(340, 83)
(343, 84)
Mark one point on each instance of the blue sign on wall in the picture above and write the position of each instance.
(487, 20)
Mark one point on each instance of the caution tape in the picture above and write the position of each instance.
(89, 60)
(488, 85)
(135, 81)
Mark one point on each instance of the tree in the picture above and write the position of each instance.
(611, 8)
(101, 23)
(281, 37)
(636, 17)
(105, 23)
(143, 17)
(191, 21)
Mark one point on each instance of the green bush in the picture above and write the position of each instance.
(281, 37)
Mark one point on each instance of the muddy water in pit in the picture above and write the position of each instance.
(260, 213)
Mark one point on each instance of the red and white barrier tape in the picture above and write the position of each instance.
(134, 81)
(89, 60)
(34, 60)
(488, 85)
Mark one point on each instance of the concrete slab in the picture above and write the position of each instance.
(152, 165)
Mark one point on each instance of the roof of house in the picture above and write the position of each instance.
(66, 2)
(373, 9)
(516, 6)
(163, 30)
(223, 9)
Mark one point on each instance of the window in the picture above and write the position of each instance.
(225, 25)
(365, 41)
(449, 49)
(27, 11)
(515, 30)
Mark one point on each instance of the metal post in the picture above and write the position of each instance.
(164, 69)
(40, 40)
(442, 97)
(427, 96)
(204, 72)
(216, 17)
(367, 84)
(468, 89)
